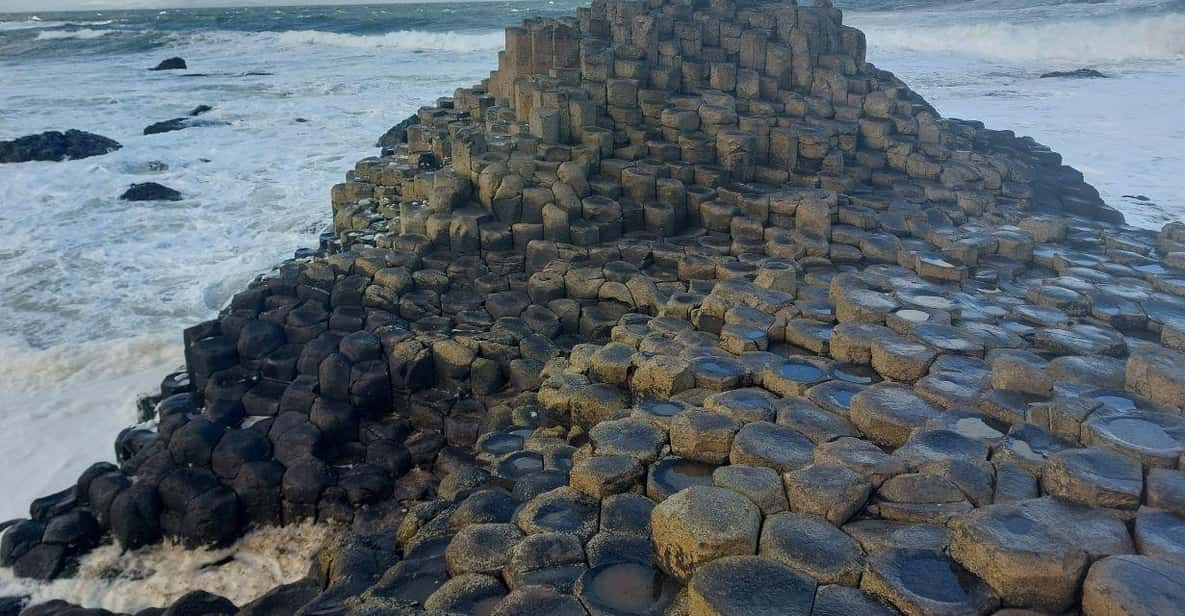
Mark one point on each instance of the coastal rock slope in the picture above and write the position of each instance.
(687, 309)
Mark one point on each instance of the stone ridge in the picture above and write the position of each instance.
(687, 309)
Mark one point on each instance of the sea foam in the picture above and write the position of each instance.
(154, 576)
(409, 40)
(84, 33)
(1111, 40)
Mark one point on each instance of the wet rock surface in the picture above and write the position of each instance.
(150, 191)
(170, 64)
(685, 310)
(1081, 73)
(56, 146)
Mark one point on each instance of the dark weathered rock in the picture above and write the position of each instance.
(750, 585)
(701, 524)
(150, 191)
(56, 146)
(170, 64)
(1130, 585)
(1082, 73)
(201, 603)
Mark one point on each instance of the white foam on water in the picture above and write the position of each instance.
(979, 61)
(410, 40)
(156, 576)
(29, 24)
(83, 33)
(94, 291)
(1086, 41)
(63, 406)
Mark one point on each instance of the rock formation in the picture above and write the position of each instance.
(150, 191)
(56, 146)
(170, 64)
(687, 309)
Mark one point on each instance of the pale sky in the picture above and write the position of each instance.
(92, 5)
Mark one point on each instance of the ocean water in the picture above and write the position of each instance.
(94, 292)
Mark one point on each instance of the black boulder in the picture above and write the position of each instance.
(201, 603)
(167, 126)
(171, 64)
(150, 191)
(56, 146)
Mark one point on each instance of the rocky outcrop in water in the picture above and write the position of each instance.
(170, 64)
(56, 146)
(695, 311)
(177, 124)
(150, 191)
(1082, 73)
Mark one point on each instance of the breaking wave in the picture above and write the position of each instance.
(157, 575)
(29, 24)
(85, 33)
(410, 40)
(1110, 41)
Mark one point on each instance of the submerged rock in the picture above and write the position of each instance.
(56, 146)
(150, 191)
(189, 121)
(1082, 73)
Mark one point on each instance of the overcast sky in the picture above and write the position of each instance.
(89, 5)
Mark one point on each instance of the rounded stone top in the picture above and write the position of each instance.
(700, 524)
(750, 585)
